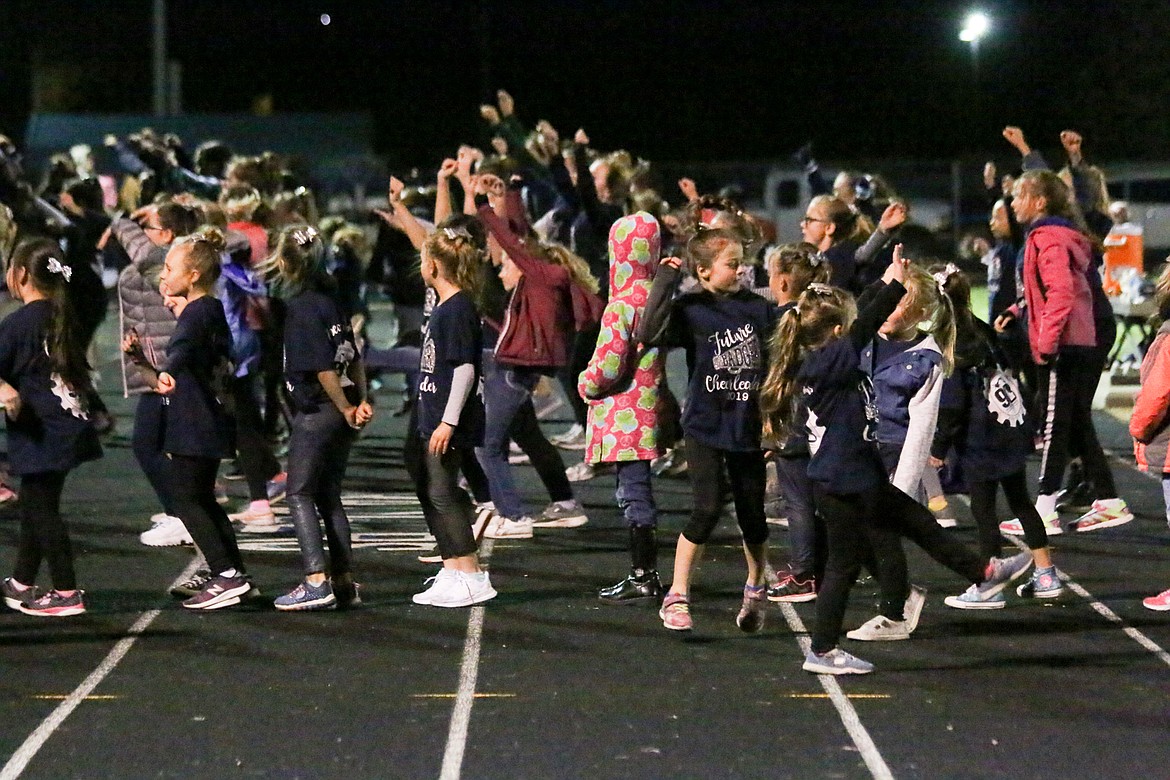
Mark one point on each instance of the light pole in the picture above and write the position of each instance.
(975, 26)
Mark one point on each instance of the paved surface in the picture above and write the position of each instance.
(544, 682)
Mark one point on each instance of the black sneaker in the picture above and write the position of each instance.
(792, 590)
(219, 592)
(641, 587)
(192, 585)
(348, 594)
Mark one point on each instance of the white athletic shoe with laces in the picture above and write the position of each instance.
(169, 532)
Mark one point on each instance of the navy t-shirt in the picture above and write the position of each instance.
(53, 431)
(317, 337)
(452, 338)
(841, 412)
(726, 342)
(197, 422)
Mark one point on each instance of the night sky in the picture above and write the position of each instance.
(677, 80)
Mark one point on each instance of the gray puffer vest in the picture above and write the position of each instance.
(140, 306)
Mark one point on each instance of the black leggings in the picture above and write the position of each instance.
(43, 533)
(1015, 487)
(581, 346)
(1064, 400)
(252, 447)
(747, 481)
(446, 506)
(878, 518)
(193, 481)
(544, 456)
(147, 444)
(318, 453)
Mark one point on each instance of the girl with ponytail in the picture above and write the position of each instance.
(816, 357)
(199, 429)
(327, 387)
(44, 383)
(449, 419)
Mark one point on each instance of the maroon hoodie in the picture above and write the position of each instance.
(539, 320)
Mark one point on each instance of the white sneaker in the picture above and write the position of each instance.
(575, 431)
(572, 439)
(912, 610)
(479, 585)
(505, 528)
(250, 522)
(880, 629)
(169, 533)
(441, 582)
(158, 517)
(483, 516)
(453, 588)
(580, 472)
(562, 514)
(1014, 527)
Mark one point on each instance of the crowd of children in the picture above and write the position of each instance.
(853, 366)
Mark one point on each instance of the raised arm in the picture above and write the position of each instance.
(399, 215)
(532, 266)
(892, 218)
(443, 190)
(134, 240)
(883, 303)
(654, 326)
(587, 193)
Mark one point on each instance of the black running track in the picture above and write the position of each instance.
(544, 682)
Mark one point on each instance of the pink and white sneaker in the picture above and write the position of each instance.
(1159, 603)
(1105, 513)
(1014, 527)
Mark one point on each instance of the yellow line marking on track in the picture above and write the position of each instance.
(62, 697)
(453, 695)
(847, 696)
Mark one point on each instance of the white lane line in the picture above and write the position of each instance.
(849, 717)
(1112, 616)
(465, 696)
(1097, 606)
(19, 760)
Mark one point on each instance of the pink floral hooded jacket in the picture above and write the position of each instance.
(621, 383)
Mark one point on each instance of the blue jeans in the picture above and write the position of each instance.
(401, 360)
(802, 523)
(507, 398)
(635, 497)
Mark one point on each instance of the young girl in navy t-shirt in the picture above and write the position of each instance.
(198, 429)
(44, 380)
(816, 360)
(723, 329)
(907, 362)
(327, 385)
(984, 420)
(450, 419)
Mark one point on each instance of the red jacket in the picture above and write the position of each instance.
(1056, 290)
(1148, 425)
(539, 321)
